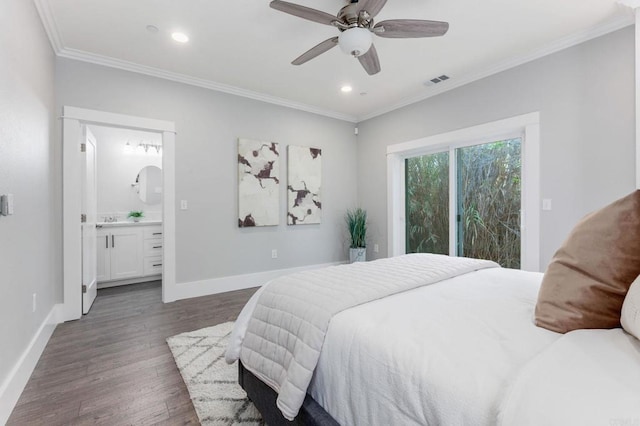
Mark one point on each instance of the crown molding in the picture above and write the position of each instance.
(107, 61)
(48, 20)
(49, 23)
(556, 46)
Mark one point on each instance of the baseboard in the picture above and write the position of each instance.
(236, 282)
(18, 377)
(109, 284)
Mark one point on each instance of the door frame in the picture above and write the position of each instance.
(72, 120)
(526, 126)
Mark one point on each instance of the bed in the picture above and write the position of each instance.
(457, 347)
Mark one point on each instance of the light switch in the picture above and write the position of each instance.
(546, 204)
(184, 205)
(6, 204)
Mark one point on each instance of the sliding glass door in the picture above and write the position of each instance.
(486, 187)
(427, 203)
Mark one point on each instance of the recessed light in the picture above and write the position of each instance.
(346, 89)
(152, 29)
(180, 37)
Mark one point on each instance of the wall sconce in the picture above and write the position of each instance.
(145, 147)
(142, 148)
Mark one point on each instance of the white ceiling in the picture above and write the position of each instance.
(244, 46)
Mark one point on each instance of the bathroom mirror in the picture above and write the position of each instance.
(149, 185)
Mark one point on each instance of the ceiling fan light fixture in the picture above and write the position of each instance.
(355, 41)
(355, 21)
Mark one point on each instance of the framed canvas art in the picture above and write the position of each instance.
(258, 183)
(304, 204)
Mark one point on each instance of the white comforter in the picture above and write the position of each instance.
(286, 330)
(586, 378)
(437, 355)
(465, 351)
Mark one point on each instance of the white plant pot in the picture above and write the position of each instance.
(357, 255)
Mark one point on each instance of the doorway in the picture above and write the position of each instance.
(75, 123)
(122, 200)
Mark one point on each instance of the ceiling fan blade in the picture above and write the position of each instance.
(303, 12)
(372, 6)
(410, 28)
(316, 51)
(370, 61)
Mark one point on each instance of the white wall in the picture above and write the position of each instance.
(585, 95)
(30, 244)
(117, 169)
(208, 123)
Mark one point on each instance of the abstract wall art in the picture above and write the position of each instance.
(258, 183)
(305, 176)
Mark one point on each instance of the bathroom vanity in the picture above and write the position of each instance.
(129, 252)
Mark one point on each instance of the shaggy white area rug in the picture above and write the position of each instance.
(212, 383)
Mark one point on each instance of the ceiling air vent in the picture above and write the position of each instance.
(436, 80)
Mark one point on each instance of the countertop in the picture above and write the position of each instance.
(128, 223)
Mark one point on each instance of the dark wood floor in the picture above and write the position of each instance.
(114, 367)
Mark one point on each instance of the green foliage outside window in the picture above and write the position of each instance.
(488, 202)
(427, 203)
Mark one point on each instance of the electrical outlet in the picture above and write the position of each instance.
(34, 306)
(184, 205)
(274, 254)
(376, 248)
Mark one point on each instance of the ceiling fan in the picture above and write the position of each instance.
(356, 25)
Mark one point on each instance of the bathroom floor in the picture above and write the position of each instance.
(114, 367)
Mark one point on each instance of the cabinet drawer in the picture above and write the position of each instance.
(152, 232)
(153, 265)
(153, 247)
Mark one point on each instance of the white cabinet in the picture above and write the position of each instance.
(153, 265)
(153, 250)
(103, 255)
(126, 253)
(129, 253)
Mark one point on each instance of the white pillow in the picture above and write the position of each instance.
(630, 318)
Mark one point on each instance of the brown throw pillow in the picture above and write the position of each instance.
(589, 276)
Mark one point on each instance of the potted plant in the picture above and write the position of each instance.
(357, 224)
(136, 215)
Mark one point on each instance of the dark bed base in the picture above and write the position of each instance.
(264, 398)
